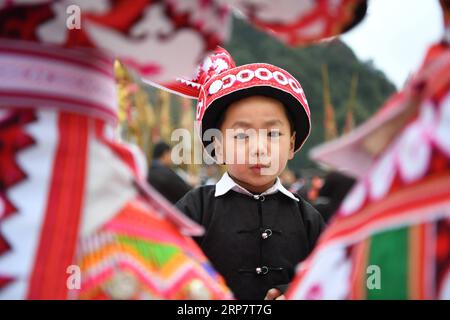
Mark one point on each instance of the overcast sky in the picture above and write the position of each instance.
(395, 35)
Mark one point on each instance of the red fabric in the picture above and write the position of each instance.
(13, 140)
(317, 20)
(56, 249)
(442, 251)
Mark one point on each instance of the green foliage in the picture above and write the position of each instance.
(248, 45)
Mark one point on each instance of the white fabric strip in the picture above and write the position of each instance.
(22, 229)
(31, 77)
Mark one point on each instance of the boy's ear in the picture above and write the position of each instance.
(218, 150)
(292, 146)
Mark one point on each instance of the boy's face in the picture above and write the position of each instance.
(257, 141)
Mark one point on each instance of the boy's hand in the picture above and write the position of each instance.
(274, 294)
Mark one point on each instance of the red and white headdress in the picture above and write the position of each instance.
(249, 80)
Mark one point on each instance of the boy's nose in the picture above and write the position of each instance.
(258, 147)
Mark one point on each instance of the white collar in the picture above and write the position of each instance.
(226, 183)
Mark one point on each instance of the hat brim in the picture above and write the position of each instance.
(296, 111)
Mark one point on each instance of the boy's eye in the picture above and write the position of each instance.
(274, 134)
(241, 136)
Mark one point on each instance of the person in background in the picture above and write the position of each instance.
(313, 191)
(287, 178)
(335, 187)
(298, 186)
(212, 175)
(163, 178)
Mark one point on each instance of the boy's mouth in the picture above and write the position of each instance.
(258, 167)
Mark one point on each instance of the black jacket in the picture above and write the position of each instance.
(254, 244)
(167, 182)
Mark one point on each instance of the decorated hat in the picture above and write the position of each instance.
(219, 83)
(254, 79)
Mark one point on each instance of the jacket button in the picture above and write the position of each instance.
(262, 270)
(259, 197)
(266, 234)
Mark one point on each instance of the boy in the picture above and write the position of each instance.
(256, 230)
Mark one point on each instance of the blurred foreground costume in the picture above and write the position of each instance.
(72, 198)
(391, 237)
(72, 195)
